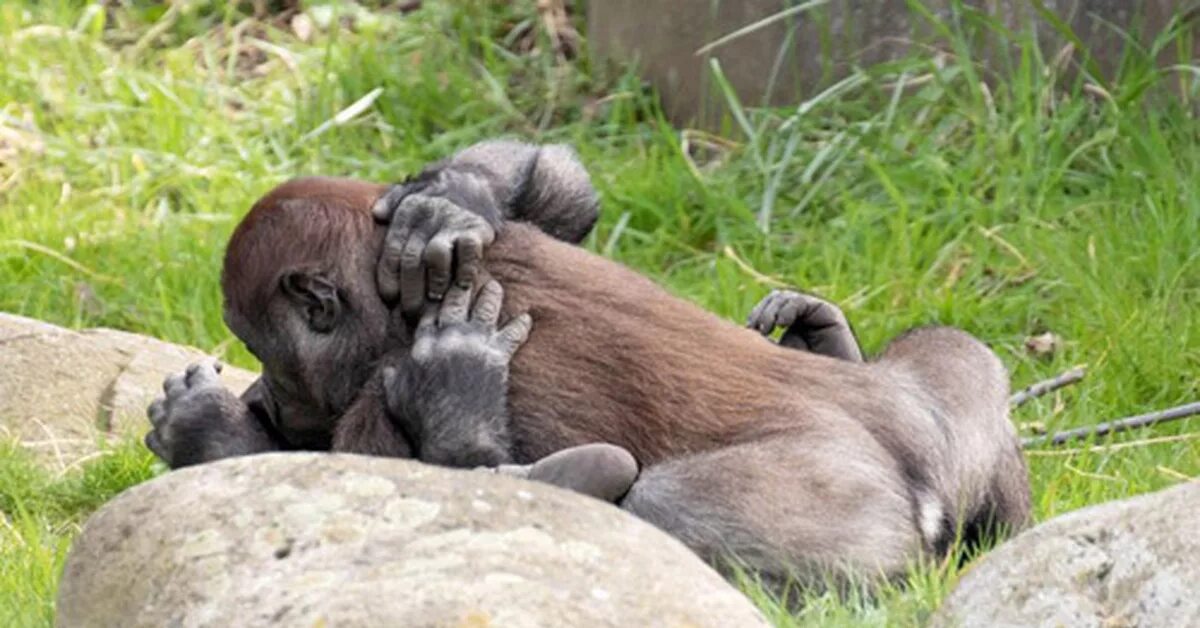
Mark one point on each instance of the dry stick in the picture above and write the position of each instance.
(1120, 425)
(1047, 386)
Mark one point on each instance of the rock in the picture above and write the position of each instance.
(307, 539)
(63, 392)
(1134, 562)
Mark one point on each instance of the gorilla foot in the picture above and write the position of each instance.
(598, 470)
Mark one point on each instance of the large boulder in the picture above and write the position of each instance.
(1134, 562)
(340, 540)
(63, 392)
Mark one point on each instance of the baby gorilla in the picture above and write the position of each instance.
(798, 465)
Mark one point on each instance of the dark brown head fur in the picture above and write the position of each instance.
(308, 234)
(314, 221)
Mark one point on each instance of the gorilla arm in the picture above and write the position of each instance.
(441, 219)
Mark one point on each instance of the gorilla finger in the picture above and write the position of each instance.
(202, 374)
(175, 385)
(468, 251)
(789, 313)
(438, 259)
(412, 274)
(514, 334)
(385, 206)
(455, 306)
(411, 216)
(387, 273)
(487, 304)
(767, 322)
(157, 412)
(752, 319)
(154, 444)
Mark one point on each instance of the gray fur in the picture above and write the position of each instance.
(795, 467)
(852, 496)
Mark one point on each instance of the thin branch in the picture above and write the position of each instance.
(1120, 425)
(1047, 386)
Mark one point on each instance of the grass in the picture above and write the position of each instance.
(1008, 202)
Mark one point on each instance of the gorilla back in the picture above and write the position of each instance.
(896, 454)
(795, 463)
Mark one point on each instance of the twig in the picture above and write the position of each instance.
(1006, 245)
(749, 270)
(1090, 475)
(1047, 386)
(345, 115)
(1120, 425)
(1172, 473)
(1107, 448)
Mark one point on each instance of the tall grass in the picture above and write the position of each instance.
(1009, 202)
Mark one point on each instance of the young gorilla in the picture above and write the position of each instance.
(794, 462)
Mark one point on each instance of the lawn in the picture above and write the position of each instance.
(1010, 203)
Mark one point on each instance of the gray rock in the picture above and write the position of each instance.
(1134, 562)
(63, 392)
(340, 540)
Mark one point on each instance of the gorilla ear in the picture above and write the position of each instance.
(315, 295)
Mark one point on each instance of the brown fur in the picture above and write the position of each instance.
(788, 459)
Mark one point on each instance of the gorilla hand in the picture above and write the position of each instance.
(449, 395)
(438, 228)
(810, 323)
(198, 420)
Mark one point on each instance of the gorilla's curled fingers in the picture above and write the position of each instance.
(197, 420)
(810, 323)
(431, 243)
(449, 394)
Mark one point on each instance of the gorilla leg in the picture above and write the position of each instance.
(970, 386)
(794, 507)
